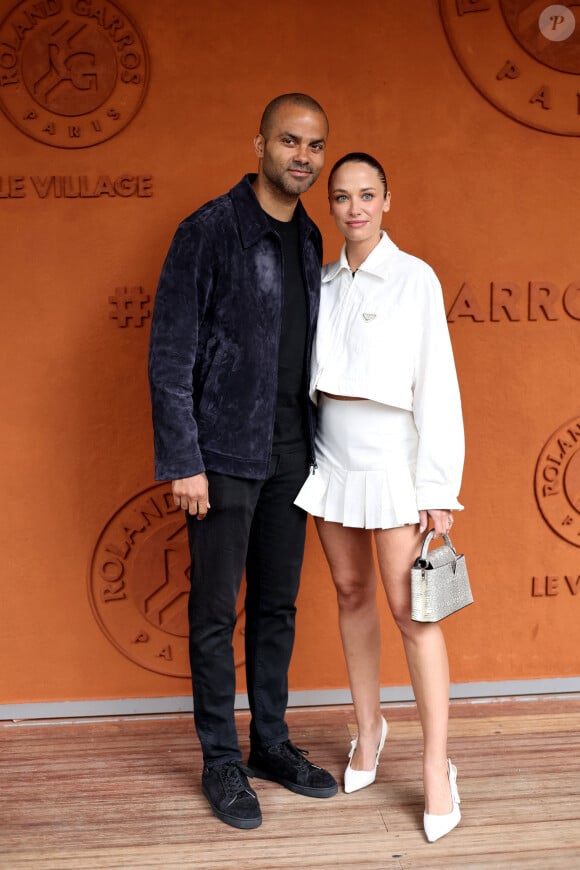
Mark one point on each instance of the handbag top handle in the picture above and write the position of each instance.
(428, 538)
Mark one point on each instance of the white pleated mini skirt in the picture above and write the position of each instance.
(366, 454)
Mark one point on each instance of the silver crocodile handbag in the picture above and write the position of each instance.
(439, 582)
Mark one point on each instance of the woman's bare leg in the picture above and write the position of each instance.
(426, 657)
(349, 555)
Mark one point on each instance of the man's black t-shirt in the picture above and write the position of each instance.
(290, 421)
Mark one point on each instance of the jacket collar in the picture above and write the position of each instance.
(374, 264)
(252, 220)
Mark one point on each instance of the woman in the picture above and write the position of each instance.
(390, 456)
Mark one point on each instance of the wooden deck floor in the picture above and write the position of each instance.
(117, 794)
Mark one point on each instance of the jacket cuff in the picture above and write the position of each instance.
(437, 498)
(176, 470)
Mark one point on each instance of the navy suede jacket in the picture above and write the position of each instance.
(213, 357)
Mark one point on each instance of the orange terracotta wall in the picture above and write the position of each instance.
(482, 159)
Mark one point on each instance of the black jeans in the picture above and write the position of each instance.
(252, 524)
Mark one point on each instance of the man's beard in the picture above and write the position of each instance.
(292, 186)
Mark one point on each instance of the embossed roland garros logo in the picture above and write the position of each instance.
(557, 481)
(139, 584)
(73, 73)
(521, 55)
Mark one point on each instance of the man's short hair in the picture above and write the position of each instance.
(294, 99)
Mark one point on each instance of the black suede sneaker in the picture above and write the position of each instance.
(230, 796)
(286, 764)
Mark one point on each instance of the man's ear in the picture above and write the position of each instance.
(259, 145)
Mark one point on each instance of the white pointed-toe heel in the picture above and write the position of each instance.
(357, 779)
(437, 826)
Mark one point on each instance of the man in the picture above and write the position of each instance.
(229, 363)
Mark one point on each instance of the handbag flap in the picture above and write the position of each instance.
(441, 556)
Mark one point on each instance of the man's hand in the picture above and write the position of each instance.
(191, 494)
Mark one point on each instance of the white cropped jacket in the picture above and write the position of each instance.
(382, 334)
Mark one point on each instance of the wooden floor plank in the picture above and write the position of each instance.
(111, 794)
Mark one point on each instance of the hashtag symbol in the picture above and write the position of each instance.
(129, 304)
